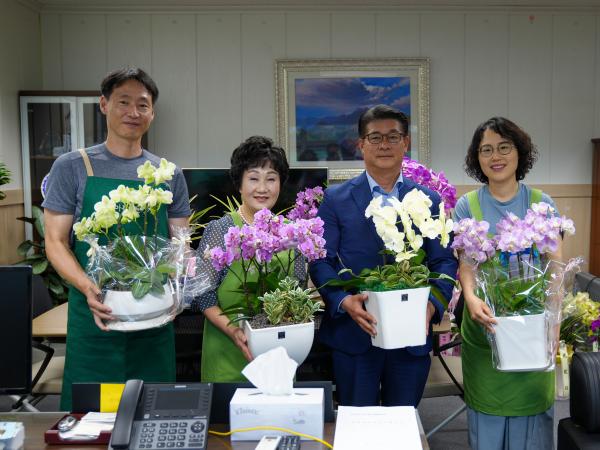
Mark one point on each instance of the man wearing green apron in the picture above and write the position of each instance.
(77, 181)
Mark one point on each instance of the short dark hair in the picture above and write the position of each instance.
(117, 77)
(508, 130)
(381, 112)
(257, 151)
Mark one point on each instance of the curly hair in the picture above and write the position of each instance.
(508, 130)
(257, 151)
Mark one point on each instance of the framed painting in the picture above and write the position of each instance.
(319, 102)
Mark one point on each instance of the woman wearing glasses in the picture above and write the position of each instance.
(506, 410)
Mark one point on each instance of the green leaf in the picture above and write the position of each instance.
(139, 289)
(439, 296)
(38, 215)
(24, 247)
(57, 289)
(39, 266)
(166, 268)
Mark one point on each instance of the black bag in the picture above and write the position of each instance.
(585, 390)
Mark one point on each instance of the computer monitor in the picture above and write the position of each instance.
(216, 182)
(15, 329)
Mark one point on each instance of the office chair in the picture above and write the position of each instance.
(48, 372)
(188, 326)
(445, 378)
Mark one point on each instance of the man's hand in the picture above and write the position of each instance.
(354, 305)
(238, 337)
(428, 315)
(480, 312)
(99, 310)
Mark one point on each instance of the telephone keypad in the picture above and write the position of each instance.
(171, 433)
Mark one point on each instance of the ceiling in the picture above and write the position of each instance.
(183, 5)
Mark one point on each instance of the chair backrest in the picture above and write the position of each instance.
(223, 392)
(586, 282)
(42, 301)
(15, 329)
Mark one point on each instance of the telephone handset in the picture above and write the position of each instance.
(162, 416)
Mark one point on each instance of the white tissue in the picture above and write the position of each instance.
(272, 372)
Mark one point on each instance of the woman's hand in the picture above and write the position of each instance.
(238, 337)
(480, 312)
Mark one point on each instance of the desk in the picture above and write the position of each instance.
(37, 423)
(53, 323)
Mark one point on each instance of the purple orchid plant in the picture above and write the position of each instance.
(512, 266)
(259, 248)
(436, 181)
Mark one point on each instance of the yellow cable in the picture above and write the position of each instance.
(285, 430)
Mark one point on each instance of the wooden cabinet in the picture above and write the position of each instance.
(595, 228)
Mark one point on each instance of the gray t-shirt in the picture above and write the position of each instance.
(67, 180)
(493, 210)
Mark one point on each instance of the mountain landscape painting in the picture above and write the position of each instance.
(327, 112)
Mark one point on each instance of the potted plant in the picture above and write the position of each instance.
(277, 310)
(399, 291)
(519, 282)
(4, 178)
(34, 254)
(140, 275)
(579, 331)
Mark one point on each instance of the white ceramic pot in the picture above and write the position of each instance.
(400, 317)
(128, 309)
(521, 343)
(296, 339)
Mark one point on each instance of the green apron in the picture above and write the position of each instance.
(222, 360)
(489, 390)
(94, 355)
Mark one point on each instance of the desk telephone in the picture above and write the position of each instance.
(162, 416)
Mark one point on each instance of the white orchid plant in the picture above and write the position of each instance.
(141, 262)
(407, 271)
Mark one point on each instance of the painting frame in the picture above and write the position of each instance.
(288, 72)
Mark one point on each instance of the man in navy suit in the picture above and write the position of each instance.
(367, 375)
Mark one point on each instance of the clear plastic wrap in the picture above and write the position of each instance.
(525, 292)
(143, 279)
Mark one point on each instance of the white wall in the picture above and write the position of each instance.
(20, 69)
(215, 73)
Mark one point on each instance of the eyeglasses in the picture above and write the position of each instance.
(393, 138)
(503, 148)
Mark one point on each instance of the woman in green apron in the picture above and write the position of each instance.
(258, 169)
(506, 410)
(77, 181)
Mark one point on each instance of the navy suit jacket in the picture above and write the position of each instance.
(352, 242)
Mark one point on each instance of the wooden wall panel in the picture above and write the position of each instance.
(219, 87)
(442, 39)
(11, 229)
(529, 81)
(83, 49)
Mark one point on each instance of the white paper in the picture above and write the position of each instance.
(90, 426)
(377, 427)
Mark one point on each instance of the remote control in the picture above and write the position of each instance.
(289, 443)
(268, 443)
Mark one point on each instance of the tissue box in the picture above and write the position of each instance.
(12, 435)
(302, 412)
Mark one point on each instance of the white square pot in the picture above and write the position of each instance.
(400, 317)
(297, 339)
(521, 343)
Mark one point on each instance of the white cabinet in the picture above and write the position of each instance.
(52, 124)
